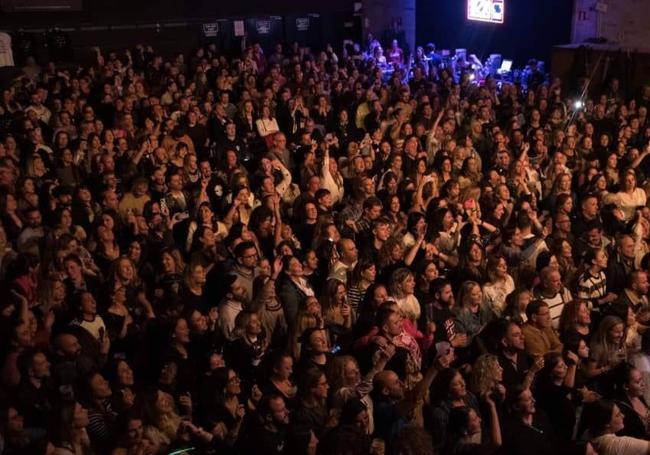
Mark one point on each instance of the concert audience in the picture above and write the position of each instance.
(350, 252)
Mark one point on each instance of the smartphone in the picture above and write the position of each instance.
(336, 349)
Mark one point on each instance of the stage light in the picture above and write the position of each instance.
(577, 105)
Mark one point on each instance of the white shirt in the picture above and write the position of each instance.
(495, 294)
(629, 202)
(610, 444)
(267, 126)
(94, 327)
(228, 311)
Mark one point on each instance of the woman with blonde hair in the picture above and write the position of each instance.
(161, 416)
(630, 196)
(124, 273)
(247, 351)
(52, 295)
(346, 382)
(194, 279)
(472, 314)
(500, 284)
(607, 351)
(486, 376)
(402, 288)
(470, 193)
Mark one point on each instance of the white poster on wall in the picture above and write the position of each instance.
(239, 28)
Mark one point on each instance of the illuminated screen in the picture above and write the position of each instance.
(486, 10)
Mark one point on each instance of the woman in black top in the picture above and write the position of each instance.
(629, 395)
(246, 353)
(527, 431)
(553, 392)
(280, 378)
(575, 320)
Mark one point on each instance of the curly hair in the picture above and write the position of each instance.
(482, 379)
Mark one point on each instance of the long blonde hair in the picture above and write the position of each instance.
(464, 294)
(481, 380)
(602, 349)
(167, 423)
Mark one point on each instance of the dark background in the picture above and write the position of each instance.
(110, 11)
(177, 25)
(530, 29)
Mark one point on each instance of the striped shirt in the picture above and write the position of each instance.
(592, 287)
(555, 304)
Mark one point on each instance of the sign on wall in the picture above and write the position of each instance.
(210, 30)
(302, 24)
(239, 28)
(263, 27)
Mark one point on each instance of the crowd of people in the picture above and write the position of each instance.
(289, 253)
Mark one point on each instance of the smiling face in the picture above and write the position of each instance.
(616, 333)
(182, 331)
(543, 317)
(351, 373)
(408, 285)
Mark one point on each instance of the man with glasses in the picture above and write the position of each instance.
(539, 336)
(246, 256)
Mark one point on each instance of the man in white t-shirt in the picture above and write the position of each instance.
(553, 293)
(88, 318)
